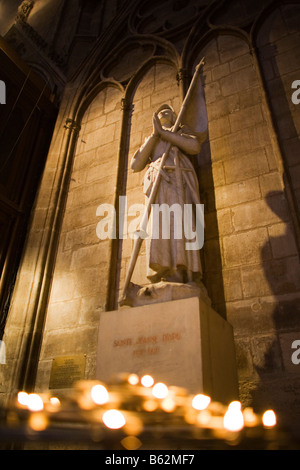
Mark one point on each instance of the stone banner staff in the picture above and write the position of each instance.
(190, 112)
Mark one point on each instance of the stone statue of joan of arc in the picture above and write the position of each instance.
(168, 259)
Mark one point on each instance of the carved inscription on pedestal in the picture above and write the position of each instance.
(147, 345)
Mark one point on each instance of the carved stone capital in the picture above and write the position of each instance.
(182, 75)
(126, 105)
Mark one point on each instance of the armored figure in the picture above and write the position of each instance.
(167, 258)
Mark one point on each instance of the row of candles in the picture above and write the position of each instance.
(129, 404)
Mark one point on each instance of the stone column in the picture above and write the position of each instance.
(24, 328)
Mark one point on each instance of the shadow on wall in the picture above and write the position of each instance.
(9, 11)
(210, 254)
(278, 44)
(279, 376)
(278, 52)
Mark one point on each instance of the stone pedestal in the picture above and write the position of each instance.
(182, 342)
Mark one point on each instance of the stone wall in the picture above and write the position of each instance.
(278, 42)
(248, 181)
(80, 278)
(250, 229)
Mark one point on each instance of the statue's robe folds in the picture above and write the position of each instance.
(168, 255)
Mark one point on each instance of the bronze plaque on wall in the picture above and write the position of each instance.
(67, 370)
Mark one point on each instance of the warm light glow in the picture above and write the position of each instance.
(22, 398)
(131, 443)
(200, 402)
(203, 418)
(128, 405)
(250, 417)
(168, 405)
(147, 381)
(38, 422)
(99, 394)
(269, 419)
(55, 401)
(133, 379)
(235, 406)
(234, 419)
(34, 402)
(134, 425)
(160, 390)
(190, 416)
(113, 419)
(150, 405)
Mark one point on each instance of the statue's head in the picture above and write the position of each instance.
(166, 115)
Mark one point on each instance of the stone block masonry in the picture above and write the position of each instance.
(80, 279)
(255, 242)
